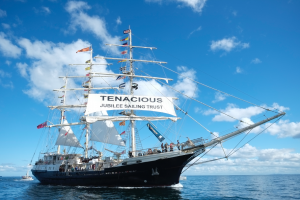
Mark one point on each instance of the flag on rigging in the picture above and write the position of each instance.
(90, 148)
(123, 68)
(122, 133)
(86, 96)
(88, 61)
(87, 75)
(63, 87)
(124, 52)
(125, 44)
(87, 68)
(123, 152)
(120, 77)
(42, 125)
(122, 61)
(84, 128)
(84, 49)
(61, 96)
(155, 132)
(125, 39)
(122, 123)
(126, 31)
(88, 81)
(122, 85)
(66, 133)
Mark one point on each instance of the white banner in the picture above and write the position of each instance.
(100, 102)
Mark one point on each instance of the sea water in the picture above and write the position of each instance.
(194, 187)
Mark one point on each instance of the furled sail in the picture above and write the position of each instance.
(105, 131)
(66, 137)
(101, 102)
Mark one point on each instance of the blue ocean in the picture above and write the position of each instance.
(194, 187)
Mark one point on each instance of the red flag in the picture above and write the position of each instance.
(84, 49)
(122, 133)
(66, 133)
(124, 151)
(126, 31)
(124, 52)
(42, 125)
(87, 74)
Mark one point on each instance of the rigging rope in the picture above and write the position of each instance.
(198, 102)
(217, 89)
(233, 151)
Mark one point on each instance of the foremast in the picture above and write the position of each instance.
(63, 110)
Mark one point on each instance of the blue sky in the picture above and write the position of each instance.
(245, 48)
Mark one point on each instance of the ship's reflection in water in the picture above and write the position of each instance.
(39, 191)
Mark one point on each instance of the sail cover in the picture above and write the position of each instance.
(105, 131)
(100, 102)
(66, 137)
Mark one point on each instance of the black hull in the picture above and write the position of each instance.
(136, 175)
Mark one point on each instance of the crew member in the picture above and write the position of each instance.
(178, 144)
(162, 147)
(166, 147)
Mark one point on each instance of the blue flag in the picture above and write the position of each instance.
(155, 132)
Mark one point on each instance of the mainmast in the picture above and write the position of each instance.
(131, 92)
(63, 110)
(87, 125)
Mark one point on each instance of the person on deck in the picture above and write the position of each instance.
(171, 146)
(162, 147)
(178, 144)
(166, 147)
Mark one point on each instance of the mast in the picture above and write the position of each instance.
(87, 125)
(131, 92)
(63, 111)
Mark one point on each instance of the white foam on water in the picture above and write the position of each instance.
(175, 186)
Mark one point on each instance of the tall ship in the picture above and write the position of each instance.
(97, 154)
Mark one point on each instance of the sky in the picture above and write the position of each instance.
(248, 49)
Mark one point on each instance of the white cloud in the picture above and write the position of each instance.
(239, 113)
(4, 74)
(5, 83)
(7, 48)
(234, 13)
(238, 70)
(185, 85)
(196, 5)
(51, 60)
(228, 44)
(285, 128)
(256, 61)
(7, 62)
(46, 10)
(234, 111)
(198, 29)
(118, 21)
(219, 97)
(250, 160)
(6, 26)
(22, 67)
(2, 13)
(93, 24)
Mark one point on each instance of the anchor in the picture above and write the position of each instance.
(155, 173)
